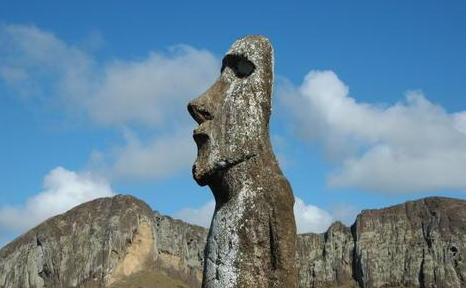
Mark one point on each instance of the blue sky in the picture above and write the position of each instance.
(369, 102)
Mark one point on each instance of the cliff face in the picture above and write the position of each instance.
(82, 246)
(103, 243)
(119, 242)
(180, 249)
(325, 260)
(416, 244)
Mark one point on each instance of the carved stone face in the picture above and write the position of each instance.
(233, 114)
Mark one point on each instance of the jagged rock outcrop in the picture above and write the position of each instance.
(81, 247)
(325, 260)
(180, 249)
(415, 244)
(119, 242)
(101, 243)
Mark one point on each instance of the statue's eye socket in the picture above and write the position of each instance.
(240, 65)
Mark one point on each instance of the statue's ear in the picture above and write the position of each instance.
(240, 65)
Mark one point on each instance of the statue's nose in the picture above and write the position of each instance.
(199, 111)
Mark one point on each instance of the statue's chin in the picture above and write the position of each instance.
(201, 181)
(200, 175)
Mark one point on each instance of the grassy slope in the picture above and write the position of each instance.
(150, 279)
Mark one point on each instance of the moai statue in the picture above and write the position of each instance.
(252, 236)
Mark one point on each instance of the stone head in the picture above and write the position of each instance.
(233, 114)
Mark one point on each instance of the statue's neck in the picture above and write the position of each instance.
(230, 182)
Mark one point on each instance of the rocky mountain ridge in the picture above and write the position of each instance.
(120, 242)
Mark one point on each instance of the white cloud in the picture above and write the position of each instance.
(200, 216)
(38, 63)
(413, 145)
(150, 91)
(345, 213)
(154, 90)
(63, 189)
(160, 157)
(309, 218)
(12, 75)
(147, 94)
(459, 121)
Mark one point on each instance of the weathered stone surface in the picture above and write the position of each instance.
(82, 246)
(325, 260)
(180, 249)
(416, 244)
(252, 237)
(102, 243)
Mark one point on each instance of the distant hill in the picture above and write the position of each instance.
(120, 242)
